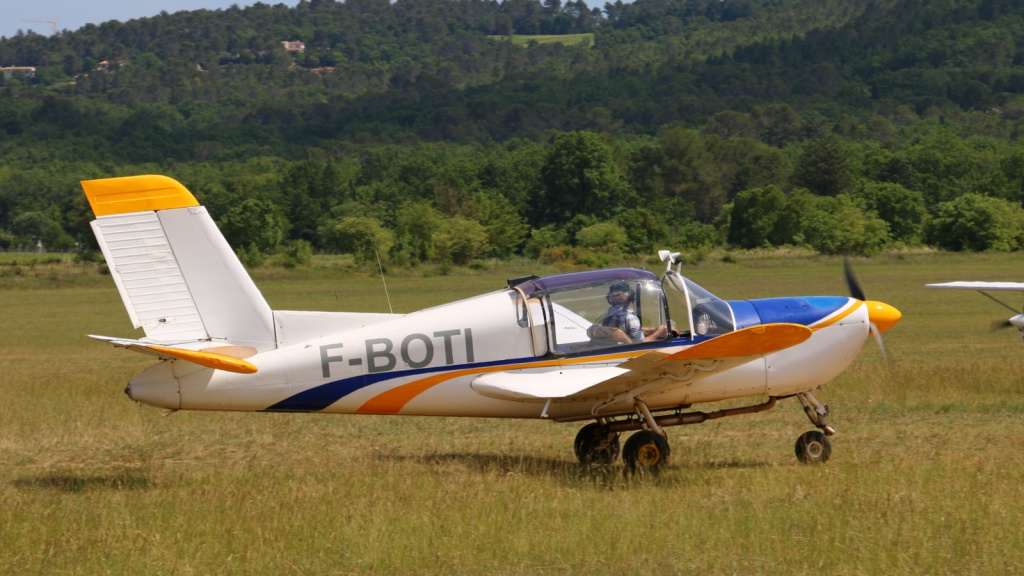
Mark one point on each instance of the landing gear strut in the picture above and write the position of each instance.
(814, 447)
(648, 449)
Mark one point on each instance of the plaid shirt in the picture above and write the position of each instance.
(623, 318)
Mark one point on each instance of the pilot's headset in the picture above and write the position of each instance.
(621, 287)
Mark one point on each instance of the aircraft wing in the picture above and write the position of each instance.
(228, 358)
(984, 288)
(569, 383)
(981, 286)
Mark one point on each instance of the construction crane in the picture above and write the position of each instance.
(53, 22)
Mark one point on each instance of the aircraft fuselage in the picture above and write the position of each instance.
(424, 363)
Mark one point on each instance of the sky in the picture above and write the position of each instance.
(73, 14)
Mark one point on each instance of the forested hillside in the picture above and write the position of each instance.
(418, 129)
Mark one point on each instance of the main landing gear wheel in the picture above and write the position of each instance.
(812, 447)
(596, 445)
(645, 451)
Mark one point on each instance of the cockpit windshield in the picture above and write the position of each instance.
(706, 313)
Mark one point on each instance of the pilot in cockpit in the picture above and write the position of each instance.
(620, 323)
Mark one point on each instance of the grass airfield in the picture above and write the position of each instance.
(926, 475)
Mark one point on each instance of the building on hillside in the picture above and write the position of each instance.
(293, 46)
(110, 65)
(26, 71)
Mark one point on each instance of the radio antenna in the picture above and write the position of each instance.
(381, 268)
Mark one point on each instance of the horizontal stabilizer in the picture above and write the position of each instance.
(227, 358)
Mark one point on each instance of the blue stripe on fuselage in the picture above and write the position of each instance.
(320, 397)
(805, 310)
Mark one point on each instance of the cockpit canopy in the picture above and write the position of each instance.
(601, 309)
(708, 314)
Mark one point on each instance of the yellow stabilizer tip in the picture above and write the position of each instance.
(210, 360)
(129, 194)
(752, 341)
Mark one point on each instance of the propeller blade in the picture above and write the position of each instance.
(878, 338)
(1000, 324)
(851, 281)
(857, 292)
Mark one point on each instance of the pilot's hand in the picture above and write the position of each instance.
(658, 333)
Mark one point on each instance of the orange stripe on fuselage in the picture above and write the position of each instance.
(392, 401)
(837, 317)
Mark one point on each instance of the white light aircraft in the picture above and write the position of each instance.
(1017, 320)
(626, 349)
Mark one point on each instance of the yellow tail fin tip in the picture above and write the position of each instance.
(129, 194)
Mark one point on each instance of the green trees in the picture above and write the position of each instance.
(645, 230)
(836, 125)
(769, 217)
(311, 189)
(580, 178)
(823, 168)
(902, 210)
(362, 236)
(459, 240)
(976, 223)
(41, 229)
(762, 217)
(607, 235)
(253, 224)
(839, 225)
(415, 224)
(504, 226)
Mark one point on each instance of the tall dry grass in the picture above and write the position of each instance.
(926, 477)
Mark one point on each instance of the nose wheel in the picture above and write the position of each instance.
(813, 447)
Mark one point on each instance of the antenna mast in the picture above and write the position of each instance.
(381, 268)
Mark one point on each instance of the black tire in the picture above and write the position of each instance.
(592, 445)
(813, 447)
(646, 451)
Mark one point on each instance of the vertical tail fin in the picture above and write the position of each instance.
(176, 273)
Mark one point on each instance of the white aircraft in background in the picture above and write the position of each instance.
(1017, 320)
(563, 347)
